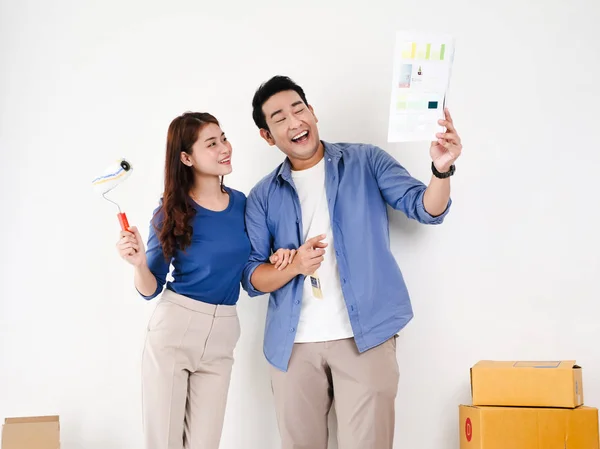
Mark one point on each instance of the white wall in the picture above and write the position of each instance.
(509, 275)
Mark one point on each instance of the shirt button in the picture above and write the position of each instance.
(296, 302)
(344, 280)
(329, 160)
(292, 329)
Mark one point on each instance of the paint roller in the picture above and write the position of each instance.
(114, 175)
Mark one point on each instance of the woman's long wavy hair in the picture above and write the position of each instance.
(175, 230)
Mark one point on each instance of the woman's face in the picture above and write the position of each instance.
(211, 153)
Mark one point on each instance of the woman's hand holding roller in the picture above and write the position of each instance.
(131, 247)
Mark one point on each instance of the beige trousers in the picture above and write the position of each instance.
(363, 388)
(186, 369)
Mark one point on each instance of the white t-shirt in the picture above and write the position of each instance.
(323, 319)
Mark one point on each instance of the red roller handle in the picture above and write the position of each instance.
(123, 221)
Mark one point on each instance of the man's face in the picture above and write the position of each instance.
(292, 126)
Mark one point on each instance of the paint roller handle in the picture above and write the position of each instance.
(123, 221)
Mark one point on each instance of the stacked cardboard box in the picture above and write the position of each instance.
(527, 405)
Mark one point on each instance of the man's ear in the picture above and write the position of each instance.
(266, 134)
(186, 159)
(310, 108)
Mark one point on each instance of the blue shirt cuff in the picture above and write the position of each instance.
(425, 217)
(246, 279)
(153, 295)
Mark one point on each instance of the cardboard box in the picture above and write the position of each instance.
(528, 428)
(528, 384)
(34, 432)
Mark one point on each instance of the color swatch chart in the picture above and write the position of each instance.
(421, 74)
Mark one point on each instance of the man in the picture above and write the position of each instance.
(335, 310)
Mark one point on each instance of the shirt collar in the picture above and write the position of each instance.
(332, 152)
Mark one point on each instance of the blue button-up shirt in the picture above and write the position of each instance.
(360, 181)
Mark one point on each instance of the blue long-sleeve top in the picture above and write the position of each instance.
(210, 269)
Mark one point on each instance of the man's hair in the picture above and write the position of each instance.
(266, 90)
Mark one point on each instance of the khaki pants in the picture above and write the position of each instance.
(363, 387)
(186, 368)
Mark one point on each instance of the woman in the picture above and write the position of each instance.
(199, 229)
